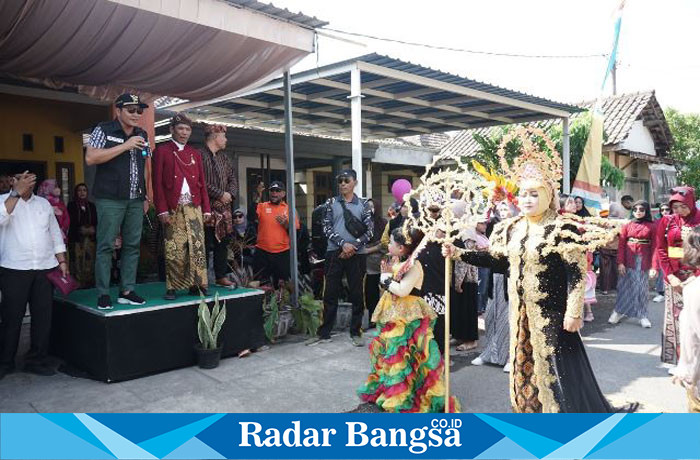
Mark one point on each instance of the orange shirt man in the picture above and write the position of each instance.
(272, 248)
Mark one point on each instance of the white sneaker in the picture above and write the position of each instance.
(477, 361)
(658, 298)
(672, 370)
(507, 368)
(615, 317)
(645, 323)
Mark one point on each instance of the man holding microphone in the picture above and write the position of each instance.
(119, 149)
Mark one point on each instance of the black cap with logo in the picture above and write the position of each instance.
(128, 99)
(347, 173)
(277, 185)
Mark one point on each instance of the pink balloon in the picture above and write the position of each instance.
(399, 188)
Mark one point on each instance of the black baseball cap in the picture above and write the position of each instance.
(347, 173)
(278, 185)
(128, 99)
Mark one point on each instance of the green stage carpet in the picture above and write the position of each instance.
(152, 293)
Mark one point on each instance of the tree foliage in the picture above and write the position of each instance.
(685, 128)
(578, 135)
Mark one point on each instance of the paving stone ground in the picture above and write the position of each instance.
(292, 377)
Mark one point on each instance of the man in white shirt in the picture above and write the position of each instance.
(31, 245)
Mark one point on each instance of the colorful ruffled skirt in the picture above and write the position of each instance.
(407, 368)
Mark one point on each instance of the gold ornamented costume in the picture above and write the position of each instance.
(545, 255)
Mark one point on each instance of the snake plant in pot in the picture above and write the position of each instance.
(209, 325)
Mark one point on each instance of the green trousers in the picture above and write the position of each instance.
(115, 217)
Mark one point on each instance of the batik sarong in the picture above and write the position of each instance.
(185, 257)
(670, 340)
(82, 262)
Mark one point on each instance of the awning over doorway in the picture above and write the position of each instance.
(190, 49)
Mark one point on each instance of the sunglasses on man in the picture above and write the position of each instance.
(344, 180)
(133, 110)
(679, 191)
(238, 216)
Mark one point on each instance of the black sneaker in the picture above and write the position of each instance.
(130, 299)
(104, 302)
(170, 294)
(39, 369)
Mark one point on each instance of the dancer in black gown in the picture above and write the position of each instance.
(545, 255)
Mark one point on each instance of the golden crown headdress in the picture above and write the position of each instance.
(533, 162)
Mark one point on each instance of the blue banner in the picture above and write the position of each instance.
(616, 40)
(347, 436)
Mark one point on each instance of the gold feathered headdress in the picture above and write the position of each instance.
(533, 163)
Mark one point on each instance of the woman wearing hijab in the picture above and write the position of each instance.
(664, 210)
(243, 238)
(607, 281)
(581, 210)
(396, 222)
(81, 236)
(49, 190)
(497, 340)
(634, 264)
(669, 252)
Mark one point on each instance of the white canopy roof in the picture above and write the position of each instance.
(190, 49)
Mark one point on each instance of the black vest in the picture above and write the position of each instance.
(112, 179)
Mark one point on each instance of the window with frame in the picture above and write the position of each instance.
(58, 144)
(27, 142)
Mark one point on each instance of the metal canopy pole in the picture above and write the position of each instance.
(356, 126)
(566, 155)
(291, 190)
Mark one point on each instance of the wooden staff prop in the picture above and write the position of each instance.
(458, 194)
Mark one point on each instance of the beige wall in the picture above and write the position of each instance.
(305, 200)
(637, 182)
(243, 162)
(380, 188)
(44, 119)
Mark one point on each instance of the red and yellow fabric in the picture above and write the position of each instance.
(587, 183)
(406, 366)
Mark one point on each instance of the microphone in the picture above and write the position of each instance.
(146, 151)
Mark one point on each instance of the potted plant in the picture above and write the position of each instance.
(209, 325)
(277, 316)
(243, 276)
(308, 314)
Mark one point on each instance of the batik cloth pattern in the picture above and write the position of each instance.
(670, 338)
(185, 258)
(83, 262)
(633, 291)
(496, 350)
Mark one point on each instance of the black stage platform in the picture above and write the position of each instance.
(130, 342)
